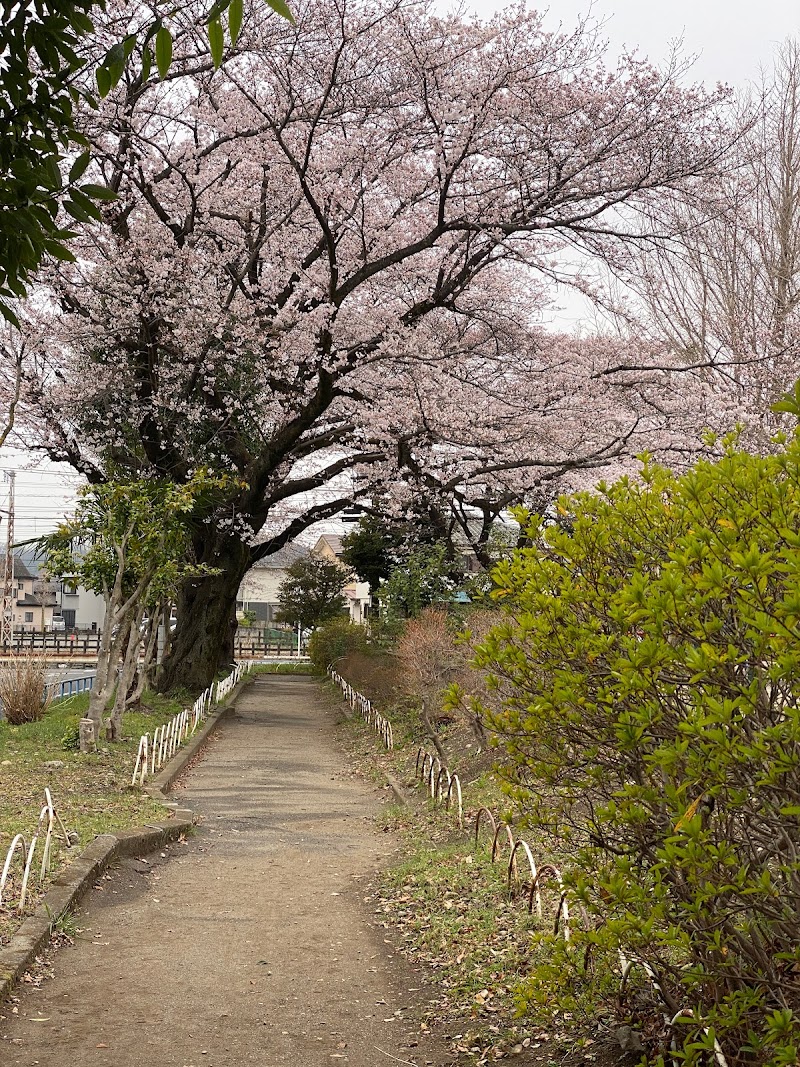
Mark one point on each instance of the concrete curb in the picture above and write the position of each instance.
(397, 789)
(71, 885)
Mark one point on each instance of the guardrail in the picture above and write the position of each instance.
(48, 817)
(69, 687)
(154, 752)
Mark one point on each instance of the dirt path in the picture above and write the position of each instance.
(251, 944)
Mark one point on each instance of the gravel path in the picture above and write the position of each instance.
(249, 943)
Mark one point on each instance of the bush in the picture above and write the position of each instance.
(334, 641)
(22, 689)
(648, 664)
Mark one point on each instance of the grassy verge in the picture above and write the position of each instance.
(283, 668)
(449, 910)
(91, 791)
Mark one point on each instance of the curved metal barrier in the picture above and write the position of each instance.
(167, 739)
(358, 702)
(431, 772)
(50, 818)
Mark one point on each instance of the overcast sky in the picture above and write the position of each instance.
(731, 39)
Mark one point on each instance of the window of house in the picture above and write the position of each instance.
(28, 616)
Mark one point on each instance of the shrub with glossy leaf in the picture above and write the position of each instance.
(648, 675)
(332, 642)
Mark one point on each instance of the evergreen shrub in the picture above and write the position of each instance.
(647, 677)
(333, 641)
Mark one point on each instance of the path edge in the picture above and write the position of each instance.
(72, 883)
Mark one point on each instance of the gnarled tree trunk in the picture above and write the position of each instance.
(206, 608)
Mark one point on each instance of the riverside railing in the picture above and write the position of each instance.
(155, 751)
(49, 822)
(68, 687)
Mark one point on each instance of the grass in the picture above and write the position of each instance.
(91, 792)
(283, 668)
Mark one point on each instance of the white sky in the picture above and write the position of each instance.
(731, 39)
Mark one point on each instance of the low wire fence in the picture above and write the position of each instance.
(358, 702)
(155, 751)
(444, 787)
(18, 870)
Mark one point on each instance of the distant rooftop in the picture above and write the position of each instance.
(283, 558)
(20, 567)
(334, 542)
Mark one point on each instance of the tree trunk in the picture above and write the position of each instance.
(431, 730)
(144, 671)
(105, 674)
(114, 723)
(206, 607)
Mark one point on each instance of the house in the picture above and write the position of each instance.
(33, 599)
(357, 593)
(80, 608)
(258, 592)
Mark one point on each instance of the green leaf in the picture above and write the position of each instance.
(8, 314)
(79, 166)
(235, 15)
(114, 62)
(147, 62)
(216, 41)
(99, 192)
(103, 79)
(76, 211)
(59, 252)
(216, 10)
(280, 7)
(163, 51)
(129, 44)
(789, 402)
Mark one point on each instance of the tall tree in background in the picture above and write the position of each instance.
(726, 287)
(376, 199)
(311, 593)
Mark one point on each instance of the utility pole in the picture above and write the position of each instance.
(6, 619)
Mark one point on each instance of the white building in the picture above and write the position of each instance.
(258, 592)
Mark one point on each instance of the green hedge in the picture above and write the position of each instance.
(334, 641)
(646, 677)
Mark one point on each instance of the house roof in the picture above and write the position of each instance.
(283, 558)
(333, 541)
(20, 568)
(47, 599)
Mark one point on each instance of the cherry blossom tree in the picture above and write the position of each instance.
(329, 257)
